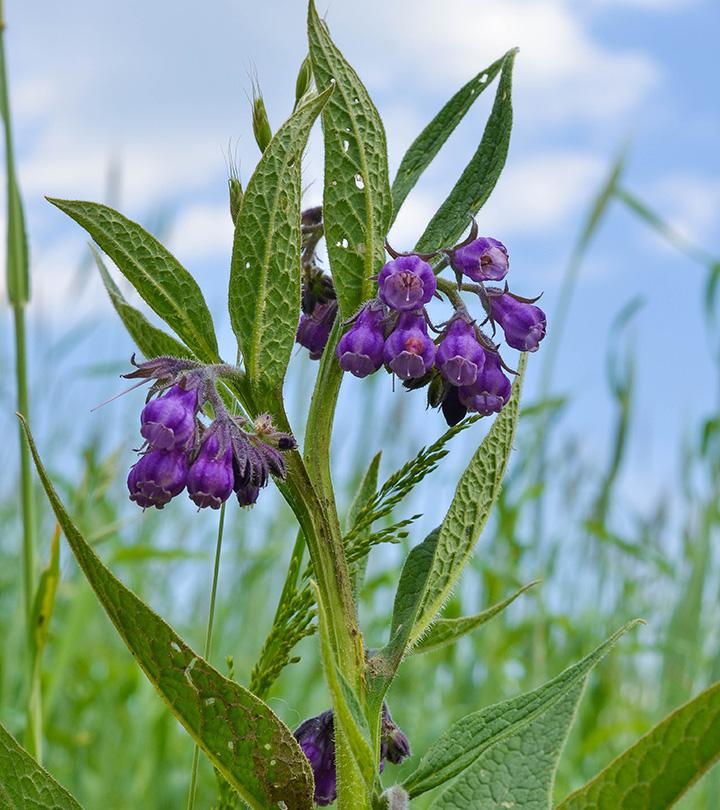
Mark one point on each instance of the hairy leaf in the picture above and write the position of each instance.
(480, 175)
(264, 297)
(240, 734)
(25, 785)
(475, 495)
(429, 142)
(164, 284)
(151, 341)
(447, 631)
(467, 739)
(357, 204)
(655, 772)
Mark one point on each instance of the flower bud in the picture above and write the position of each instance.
(484, 259)
(260, 123)
(459, 356)
(157, 477)
(236, 194)
(316, 737)
(210, 478)
(168, 422)
(406, 283)
(452, 408)
(247, 495)
(314, 330)
(360, 349)
(408, 351)
(394, 745)
(304, 79)
(522, 323)
(490, 391)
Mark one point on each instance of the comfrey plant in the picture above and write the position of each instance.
(214, 429)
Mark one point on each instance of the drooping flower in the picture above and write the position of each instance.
(394, 745)
(157, 477)
(523, 323)
(211, 477)
(490, 391)
(317, 740)
(408, 351)
(452, 408)
(459, 356)
(168, 421)
(314, 330)
(484, 259)
(360, 349)
(406, 283)
(247, 494)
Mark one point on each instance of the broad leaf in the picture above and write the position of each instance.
(447, 631)
(475, 495)
(655, 772)
(151, 341)
(429, 142)
(25, 785)
(240, 734)
(264, 297)
(163, 283)
(480, 175)
(466, 740)
(357, 205)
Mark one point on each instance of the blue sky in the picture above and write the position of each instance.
(161, 89)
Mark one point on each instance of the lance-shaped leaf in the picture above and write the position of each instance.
(264, 297)
(240, 734)
(658, 770)
(475, 495)
(163, 283)
(429, 142)
(447, 631)
(25, 785)
(480, 175)
(468, 739)
(357, 204)
(151, 341)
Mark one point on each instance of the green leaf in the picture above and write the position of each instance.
(25, 785)
(467, 739)
(164, 284)
(520, 770)
(480, 175)
(475, 495)
(151, 341)
(357, 204)
(264, 298)
(447, 631)
(429, 142)
(655, 772)
(240, 734)
(367, 489)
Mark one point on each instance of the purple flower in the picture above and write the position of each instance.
(247, 494)
(168, 422)
(452, 408)
(211, 477)
(490, 391)
(157, 477)
(522, 322)
(484, 259)
(408, 351)
(360, 350)
(407, 283)
(459, 356)
(314, 330)
(317, 740)
(394, 745)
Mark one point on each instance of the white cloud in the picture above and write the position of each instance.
(201, 231)
(690, 203)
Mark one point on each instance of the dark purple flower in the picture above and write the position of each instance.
(490, 391)
(317, 740)
(211, 477)
(168, 422)
(394, 745)
(459, 356)
(406, 283)
(157, 477)
(522, 322)
(484, 259)
(247, 494)
(408, 351)
(452, 408)
(314, 330)
(360, 350)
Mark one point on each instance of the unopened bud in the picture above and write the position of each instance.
(304, 80)
(236, 195)
(261, 125)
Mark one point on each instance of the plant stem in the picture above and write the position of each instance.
(208, 643)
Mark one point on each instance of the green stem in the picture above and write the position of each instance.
(208, 643)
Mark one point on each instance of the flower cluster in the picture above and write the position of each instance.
(317, 740)
(180, 451)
